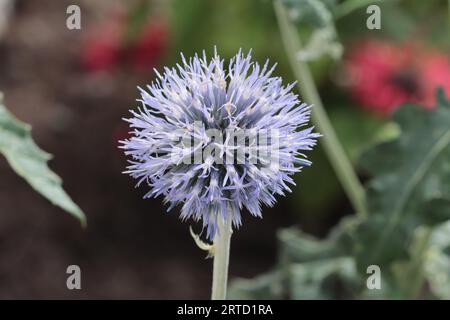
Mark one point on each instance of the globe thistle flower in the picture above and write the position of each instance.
(218, 139)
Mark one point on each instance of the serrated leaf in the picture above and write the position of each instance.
(410, 183)
(409, 273)
(309, 268)
(437, 261)
(319, 268)
(265, 286)
(297, 246)
(30, 162)
(324, 279)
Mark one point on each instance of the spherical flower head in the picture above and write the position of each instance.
(218, 139)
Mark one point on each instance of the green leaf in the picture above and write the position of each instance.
(410, 185)
(314, 12)
(408, 200)
(30, 162)
(309, 268)
(265, 286)
(356, 129)
(319, 268)
(324, 279)
(409, 273)
(321, 42)
(437, 261)
(297, 246)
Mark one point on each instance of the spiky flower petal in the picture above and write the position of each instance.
(216, 139)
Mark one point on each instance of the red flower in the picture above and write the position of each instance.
(101, 50)
(107, 48)
(383, 76)
(150, 46)
(435, 70)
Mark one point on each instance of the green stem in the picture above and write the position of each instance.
(333, 148)
(221, 259)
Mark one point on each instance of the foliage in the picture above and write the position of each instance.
(30, 162)
(318, 15)
(414, 256)
(406, 232)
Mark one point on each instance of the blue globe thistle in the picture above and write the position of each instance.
(216, 140)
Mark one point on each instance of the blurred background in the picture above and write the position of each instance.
(75, 86)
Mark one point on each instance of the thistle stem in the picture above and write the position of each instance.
(333, 148)
(221, 259)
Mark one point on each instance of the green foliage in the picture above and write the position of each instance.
(436, 263)
(266, 286)
(316, 13)
(414, 256)
(411, 186)
(318, 16)
(407, 232)
(314, 198)
(308, 268)
(30, 162)
(349, 120)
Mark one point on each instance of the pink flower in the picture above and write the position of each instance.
(151, 45)
(383, 76)
(435, 70)
(101, 49)
(107, 47)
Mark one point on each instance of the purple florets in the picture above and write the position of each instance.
(216, 140)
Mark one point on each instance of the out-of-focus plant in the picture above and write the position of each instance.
(316, 14)
(30, 162)
(405, 233)
(384, 75)
(332, 146)
(405, 229)
(137, 36)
